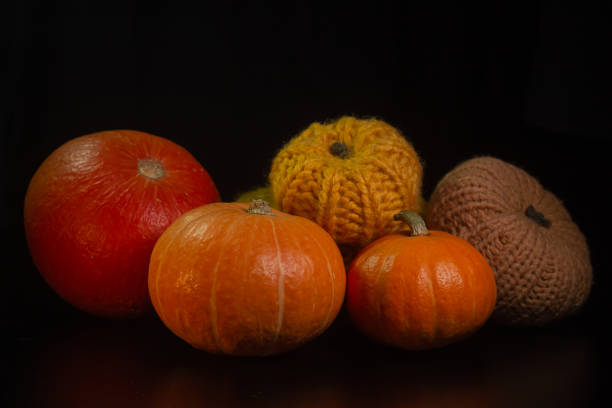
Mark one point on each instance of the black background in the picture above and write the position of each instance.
(232, 83)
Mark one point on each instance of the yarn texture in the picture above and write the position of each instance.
(539, 255)
(350, 176)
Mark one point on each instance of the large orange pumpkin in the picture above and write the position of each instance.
(95, 208)
(240, 279)
(420, 290)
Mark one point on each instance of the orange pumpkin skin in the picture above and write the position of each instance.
(96, 206)
(420, 292)
(232, 282)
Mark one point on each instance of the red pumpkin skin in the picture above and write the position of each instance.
(228, 281)
(96, 206)
(420, 292)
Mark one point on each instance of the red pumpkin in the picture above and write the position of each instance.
(95, 208)
(242, 279)
(420, 290)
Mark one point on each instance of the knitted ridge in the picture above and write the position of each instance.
(540, 257)
(353, 192)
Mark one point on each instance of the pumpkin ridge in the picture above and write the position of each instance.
(544, 276)
(539, 297)
(386, 269)
(162, 256)
(452, 252)
(281, 287)
(326, 204)
(382, 166)
(567, 280)
(290, 186)
(434, 318)
(279, 187)
(568, 286)
(517, 289)
(585, 279)
(251, 242)
(377, 288)
(190, 226)
(470, 278)
(519, 293)
(214, 316)
(368, 206)
(331, 282)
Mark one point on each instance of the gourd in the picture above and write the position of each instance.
(94, 209)
(420, 289)
(245, 279)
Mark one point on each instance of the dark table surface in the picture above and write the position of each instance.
(90, 362)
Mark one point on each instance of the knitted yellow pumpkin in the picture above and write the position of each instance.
(350, 176)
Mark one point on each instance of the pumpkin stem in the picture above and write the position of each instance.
(537, 216)
(414, 221)
(151, 169)
(340, 150)
(260, 207)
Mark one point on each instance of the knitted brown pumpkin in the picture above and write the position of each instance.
(539, 256)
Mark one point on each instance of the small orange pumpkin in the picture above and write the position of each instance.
(240, 279)
(420, 290)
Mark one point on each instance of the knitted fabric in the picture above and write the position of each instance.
(350, 176)
(540, 257)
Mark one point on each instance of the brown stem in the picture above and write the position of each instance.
(537, 216)
(414, 221)
(260, 207)
(340, 150)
